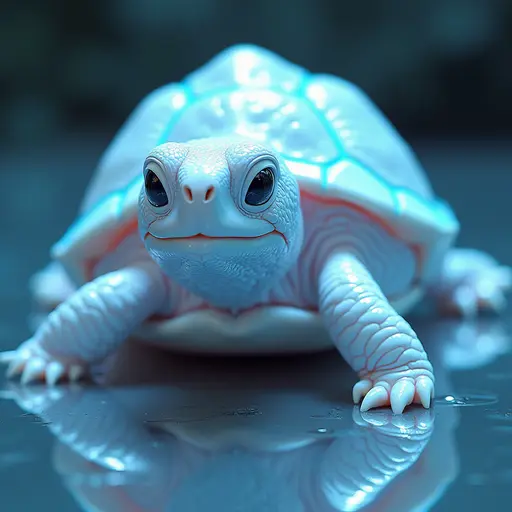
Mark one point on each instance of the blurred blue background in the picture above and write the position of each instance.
(71, 72)
(436, 68)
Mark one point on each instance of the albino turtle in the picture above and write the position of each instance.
(258, 208)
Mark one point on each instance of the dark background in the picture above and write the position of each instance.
(438, 68)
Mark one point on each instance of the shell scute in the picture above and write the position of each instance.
(365, 134)
(246, 66)
(277, 119)
(330, 134)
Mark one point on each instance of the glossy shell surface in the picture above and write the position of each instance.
(330, 134)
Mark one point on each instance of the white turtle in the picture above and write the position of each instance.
(258, 208)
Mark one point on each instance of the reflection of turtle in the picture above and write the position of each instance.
(243, 209)
(156, 453)
(264, 435)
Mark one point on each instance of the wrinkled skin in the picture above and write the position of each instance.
(209, 243)
(234, 252)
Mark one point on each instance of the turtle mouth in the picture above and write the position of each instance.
(201, 236)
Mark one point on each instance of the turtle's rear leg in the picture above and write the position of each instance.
(51, 286)
(470, 282)
(373, 338)
(90, 324)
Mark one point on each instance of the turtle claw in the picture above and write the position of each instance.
(33, 370)
(76, 372)
(378, 396)
(425, 390)
(469, 301)
(360, 390)
(32, 363)
(476, 283)
(15, 368)
(463, 301)
(397, 391)
(54, 372)
(402, 395)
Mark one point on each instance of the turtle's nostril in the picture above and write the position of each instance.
(210, 192)
(187, 192)
(198, 192)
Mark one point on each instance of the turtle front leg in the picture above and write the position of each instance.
(374, 339)
(90, 324)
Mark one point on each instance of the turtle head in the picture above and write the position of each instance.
(221, 217)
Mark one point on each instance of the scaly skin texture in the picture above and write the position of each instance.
(373, 338)
(356, 469)
(396, 370)
(215, 251)
(91, 324)
(241, 252)
(471, 282)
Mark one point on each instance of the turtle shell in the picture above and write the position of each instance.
(330, 134)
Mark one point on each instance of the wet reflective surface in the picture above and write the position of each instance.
(165, 432)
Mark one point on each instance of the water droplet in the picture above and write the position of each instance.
(466, 400)
(322, 430)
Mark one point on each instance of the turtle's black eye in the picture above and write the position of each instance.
(261, 188)
(155, 190)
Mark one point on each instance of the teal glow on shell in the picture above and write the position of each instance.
(296, 85)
